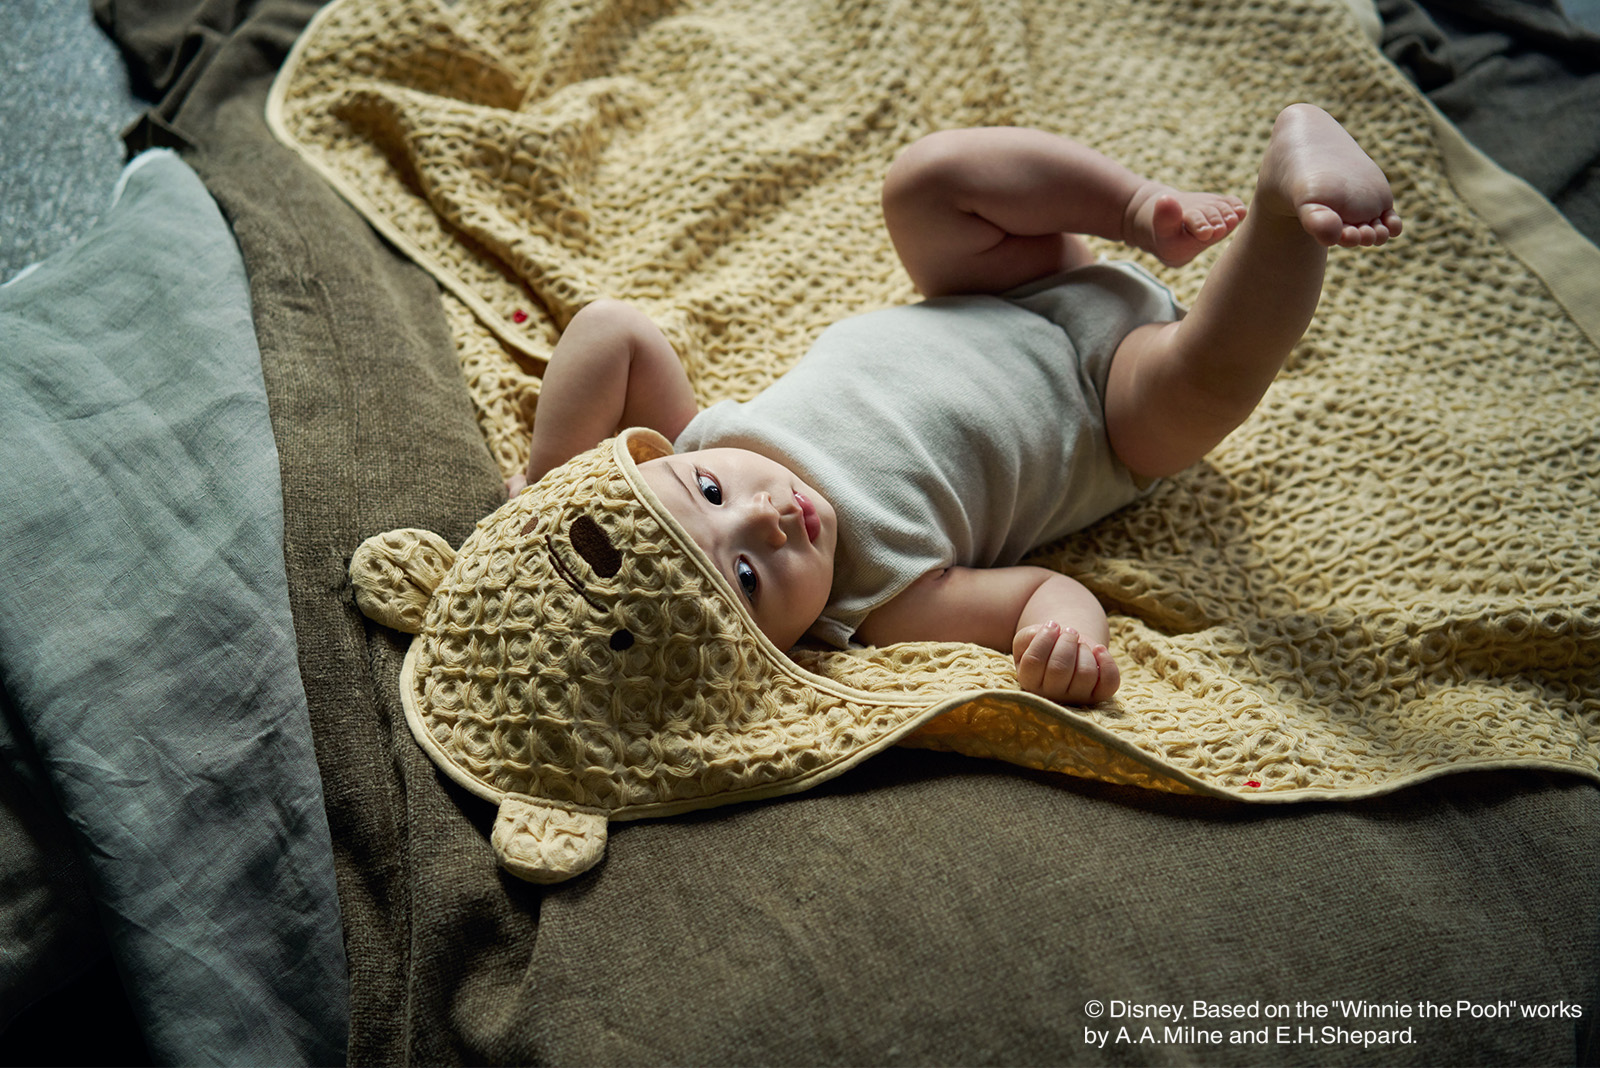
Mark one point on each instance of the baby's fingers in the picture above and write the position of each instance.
(1079, 688)
(1055, 664)
(1033, 648)
(1110, 676)
(1097, 677)
(1064, 670)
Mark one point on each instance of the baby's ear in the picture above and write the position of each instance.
(395, 574)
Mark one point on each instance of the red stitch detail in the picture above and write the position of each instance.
(519, 316)
(1252, 782)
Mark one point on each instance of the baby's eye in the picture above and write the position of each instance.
(709, 489)
(747, 577)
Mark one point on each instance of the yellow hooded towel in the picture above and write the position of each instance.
(581, 660)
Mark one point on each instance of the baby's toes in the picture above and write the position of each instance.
(1227, 213)
(1168, 218)
(1326, 225)
(1230, 210)
(1212, 222)
(1216, 219)
(1200, 223)
(1366, 235)
(1356, 236)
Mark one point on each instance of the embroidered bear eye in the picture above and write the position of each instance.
(709, 487)
(596, 549)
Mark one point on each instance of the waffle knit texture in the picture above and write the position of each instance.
(1386, 574)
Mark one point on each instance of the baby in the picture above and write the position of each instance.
(886, 487)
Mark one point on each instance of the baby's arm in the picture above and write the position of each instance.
(1053, 626)
(612, 368)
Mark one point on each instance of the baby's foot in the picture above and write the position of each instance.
(1175, 226)
(1313, 170)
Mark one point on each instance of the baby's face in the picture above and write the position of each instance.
(771, 535)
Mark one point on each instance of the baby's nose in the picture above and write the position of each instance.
(767, 520)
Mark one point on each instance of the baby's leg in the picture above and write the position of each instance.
(984, 210)
(1177, 389)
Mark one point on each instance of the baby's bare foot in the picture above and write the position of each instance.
(1313, 170)
(1175, 226)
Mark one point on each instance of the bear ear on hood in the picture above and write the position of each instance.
(544, 843)
(395, 574)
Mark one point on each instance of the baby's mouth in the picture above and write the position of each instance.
(808, 515)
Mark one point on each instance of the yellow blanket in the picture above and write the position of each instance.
(1390, 572)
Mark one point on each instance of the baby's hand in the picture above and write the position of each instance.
(1056, 664)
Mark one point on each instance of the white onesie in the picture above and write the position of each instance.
(962, 430)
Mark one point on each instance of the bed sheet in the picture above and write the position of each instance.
(853, 924)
